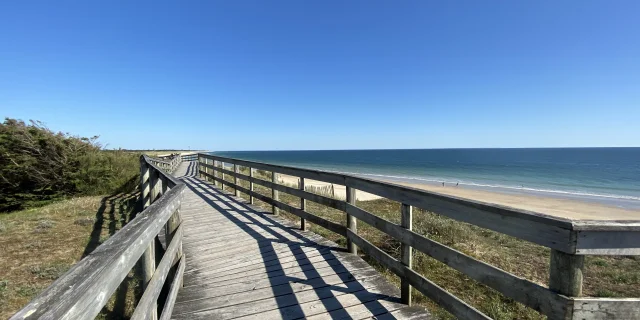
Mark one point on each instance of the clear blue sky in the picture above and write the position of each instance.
(263, 75)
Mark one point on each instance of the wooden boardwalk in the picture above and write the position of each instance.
(244, 263)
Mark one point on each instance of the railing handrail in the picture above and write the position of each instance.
(569, 240)
(84, 290)
(425, 199)
(169, 162)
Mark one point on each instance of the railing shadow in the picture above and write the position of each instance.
(115, 212)
(286, 297)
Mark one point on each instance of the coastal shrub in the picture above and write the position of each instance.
(38, 166)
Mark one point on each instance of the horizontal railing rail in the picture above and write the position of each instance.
(86, 288)
(168, 163)
(189, 157)
(568, 240)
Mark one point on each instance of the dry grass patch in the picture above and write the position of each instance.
(39, 245)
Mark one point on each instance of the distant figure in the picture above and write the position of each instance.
(456, 184)
(443, 183)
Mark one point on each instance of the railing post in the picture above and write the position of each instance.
(251, 185)
(164, 184)
(407, 254)
(274, 192)
(565, 275)
(172, 225)
(235, 180)
(144, 184)
(351, 220)
(148, 268)
(303, 206)
(205, 170)
(156, 185)
(215, 172)
(222, 167)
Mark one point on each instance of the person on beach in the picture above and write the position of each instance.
(443, 183)
(457, 184)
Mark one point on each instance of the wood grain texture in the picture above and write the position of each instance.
(521, 290)
(606, 308)
(148, 302)
(167, 311)
(451, 303)
(352, 222)
(331, 226)
(246, 263)
(406, 257)
(85, 288)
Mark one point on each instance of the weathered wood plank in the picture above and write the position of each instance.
(519, 289)
(167, 311)
(606, 308)
(297, 192)
(338, 281)
(595, 242)
(148, 301)
(298, 172)
(406, 253)
(85, 288)
(276, 264)
(445, 299)
(352, 222)
(331, 226)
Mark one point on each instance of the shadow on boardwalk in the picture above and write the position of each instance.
(296, 289)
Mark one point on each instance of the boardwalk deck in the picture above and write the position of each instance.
(244, 263)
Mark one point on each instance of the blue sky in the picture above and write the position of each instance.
(286, 75)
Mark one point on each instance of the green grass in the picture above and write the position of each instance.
(605, 276)
(39, 245)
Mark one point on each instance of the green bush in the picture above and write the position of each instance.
(38, 166)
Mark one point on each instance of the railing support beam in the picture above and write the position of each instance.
(148, 268)
(303, 206)
(565, 276)
(351, 220)
(235, 180)
(274, 192)
(407, 254)
(251, 186)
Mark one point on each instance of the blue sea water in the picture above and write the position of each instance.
(607, 175)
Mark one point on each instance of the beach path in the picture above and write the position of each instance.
(245, 263)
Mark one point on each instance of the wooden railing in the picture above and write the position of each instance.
(189, 157)
(569, 241)
(85, 289)
(168, 163)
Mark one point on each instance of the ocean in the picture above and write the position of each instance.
(606, 175)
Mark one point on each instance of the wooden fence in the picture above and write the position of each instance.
(569, 241)
(189, 157)
(167, 163)
(85, 289)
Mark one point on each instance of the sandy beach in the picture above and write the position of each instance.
(564, 208)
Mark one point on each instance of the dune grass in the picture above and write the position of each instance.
(39, 245)
(605, 276)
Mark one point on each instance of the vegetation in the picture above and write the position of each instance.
(39, 245)
(39, 166)
(606, 276)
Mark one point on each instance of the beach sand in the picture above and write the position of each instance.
(563, 208)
